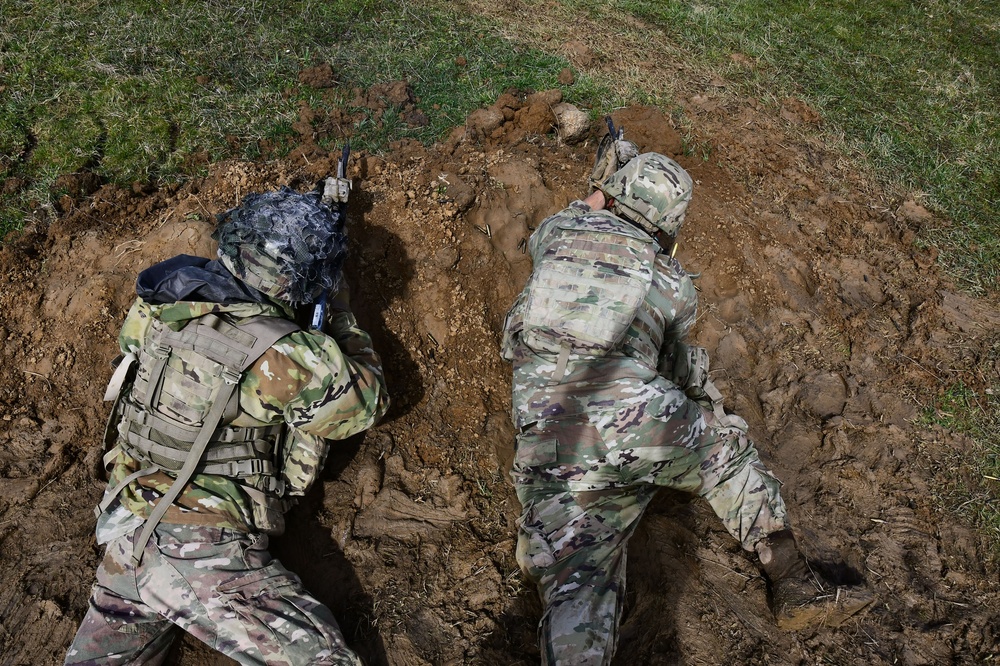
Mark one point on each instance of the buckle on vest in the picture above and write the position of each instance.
(275, 485)
(231, 376)
(236, 469)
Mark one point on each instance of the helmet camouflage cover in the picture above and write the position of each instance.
(287, 245)
(651, 190)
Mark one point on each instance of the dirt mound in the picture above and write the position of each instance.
(825, 327)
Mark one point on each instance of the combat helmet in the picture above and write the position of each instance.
(288, 245)
(651, 191)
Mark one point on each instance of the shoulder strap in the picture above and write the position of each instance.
(123, 376)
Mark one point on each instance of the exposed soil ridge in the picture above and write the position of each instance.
(827, 329)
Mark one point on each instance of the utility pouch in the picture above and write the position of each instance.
(690, 369)
(689, 372)
(269, 514)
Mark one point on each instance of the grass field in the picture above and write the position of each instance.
(133, 91)
(961, 409)
(914, 87)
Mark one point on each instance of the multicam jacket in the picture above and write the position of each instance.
(325, 386)
(592, 382)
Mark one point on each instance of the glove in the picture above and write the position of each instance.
(612, 154)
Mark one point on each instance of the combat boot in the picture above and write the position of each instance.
(800, 598)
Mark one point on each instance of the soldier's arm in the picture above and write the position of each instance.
(596, 201)
(342, 326)
(340, 387)
(350, 402)
(687, 314)
(685, 302)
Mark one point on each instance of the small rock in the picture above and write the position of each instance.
(566, 77)
(572, 123)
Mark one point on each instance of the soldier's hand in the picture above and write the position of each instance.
(596, 200)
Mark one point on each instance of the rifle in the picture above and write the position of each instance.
(336, 190)
(613, 153)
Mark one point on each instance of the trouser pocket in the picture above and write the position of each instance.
(535, 447)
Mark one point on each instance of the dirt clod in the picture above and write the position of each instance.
(320, 76)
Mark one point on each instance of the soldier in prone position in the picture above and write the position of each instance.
(610, 405)
(224, 412)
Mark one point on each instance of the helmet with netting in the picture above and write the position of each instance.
(287, 245)
(651, 190)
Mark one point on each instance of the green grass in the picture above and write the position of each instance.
(960, 409)
(132, 90)
(914, 87)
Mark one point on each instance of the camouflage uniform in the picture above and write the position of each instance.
(596, 440)
(206, 568)
(218, 584)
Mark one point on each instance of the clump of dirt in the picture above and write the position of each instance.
(827, 329)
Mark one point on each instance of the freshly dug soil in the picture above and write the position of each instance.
(827, 328)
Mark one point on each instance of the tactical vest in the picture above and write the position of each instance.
(588, 283)
(174, 412)
(587, 293)
(645, 336)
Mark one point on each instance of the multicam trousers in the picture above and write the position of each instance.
(584, 482)
(220, 585)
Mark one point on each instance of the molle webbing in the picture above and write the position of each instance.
(589, 280)
(168, 444)
(209, 336)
